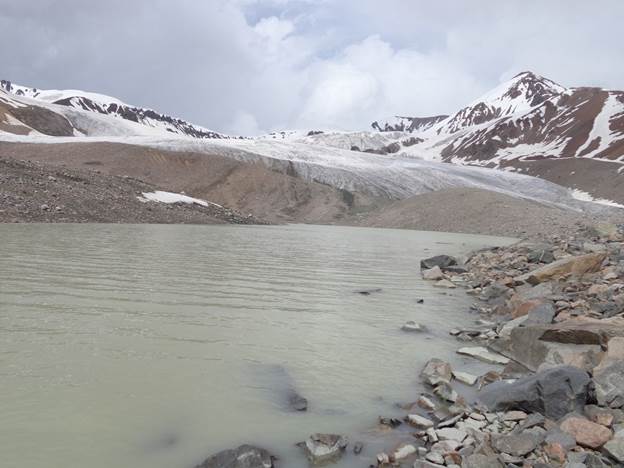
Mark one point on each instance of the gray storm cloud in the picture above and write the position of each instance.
(249, 66)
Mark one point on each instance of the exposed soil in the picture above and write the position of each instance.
(35, 192)
(598, 178)
(478, 211)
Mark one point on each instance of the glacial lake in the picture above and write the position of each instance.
(152, 346)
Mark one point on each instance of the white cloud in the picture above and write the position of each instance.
(258, 65)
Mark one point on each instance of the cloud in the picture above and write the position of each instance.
(259, 65)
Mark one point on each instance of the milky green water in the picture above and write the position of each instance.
(156, 346)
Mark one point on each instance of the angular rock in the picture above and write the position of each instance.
(403, 451)
(465, 377)
(425, 464)
(514, 416)
(554, 393)
(446, 392)
(441, 261)
(323, 448)
(483, 354)
(419, 421)
(541, 255)
(245, 456)
(541, 314)
(555, 452)
(436, 371)
(445, 284)
(599, 415)
(557, 436)
(517, 445)
(445, 447)
(585, 330)
(434, 274)
(609, 375)
(586, 433)
(426, 403)
(575, 266)
(450, 421)
(495, 291)
(481, 461)
(615, 449)
(524, 345)
(456, 269)
(450, 433)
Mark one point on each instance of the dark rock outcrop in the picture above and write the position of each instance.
(554, 392)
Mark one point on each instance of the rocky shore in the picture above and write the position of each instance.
(551, 325)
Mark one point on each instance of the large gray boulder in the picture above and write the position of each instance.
(442, 261)
(525, 344)
(554, 392)
(245, 456)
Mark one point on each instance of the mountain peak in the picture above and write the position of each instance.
(521, 93)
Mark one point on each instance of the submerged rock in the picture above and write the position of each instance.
(245, 456)
(297, 402)
(554, 393)
(324, 448)
(412, 326)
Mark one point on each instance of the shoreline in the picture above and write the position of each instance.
(548, 399)
(513, 421)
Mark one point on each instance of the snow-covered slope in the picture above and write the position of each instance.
(109, 106)
(341, 160)
(528, 117)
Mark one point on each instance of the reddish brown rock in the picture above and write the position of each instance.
(523, 308)
(555, 452)
(587, 434)
(574, 266)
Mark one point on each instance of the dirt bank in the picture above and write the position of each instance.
(475, 211)
(35, 192)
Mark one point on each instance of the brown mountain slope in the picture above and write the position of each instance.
(249, 188)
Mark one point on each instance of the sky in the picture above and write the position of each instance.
(247, 67)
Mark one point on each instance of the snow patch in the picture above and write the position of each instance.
(586, 197)
(601, 128)
(170, 197)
